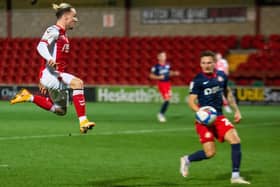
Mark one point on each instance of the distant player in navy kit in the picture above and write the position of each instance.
(207, 89)
(162, 72)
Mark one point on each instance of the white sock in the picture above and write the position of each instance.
(78, 92)
(52, 108)
(82, 118)
(187, 159)
(235, 174)
(31, 98)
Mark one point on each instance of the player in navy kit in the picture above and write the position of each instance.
(207, 89)
(162, 72)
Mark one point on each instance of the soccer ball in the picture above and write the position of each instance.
(206, 115)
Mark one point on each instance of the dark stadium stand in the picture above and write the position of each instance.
(127, 60)
(263, 65)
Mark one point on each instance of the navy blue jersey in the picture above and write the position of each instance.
(159, 69)
(209, 89)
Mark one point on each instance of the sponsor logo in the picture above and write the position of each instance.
(262, 95)
(250, 94)
(272, 95)
(8, 93)
(220, 79)
(213, 90)
(82, 102)
(137, 95)
(163, 71)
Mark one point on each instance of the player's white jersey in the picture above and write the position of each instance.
(54, 45)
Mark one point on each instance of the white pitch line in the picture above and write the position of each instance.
(120, 132)
(93, 134)
(4, 165)
(143, 131)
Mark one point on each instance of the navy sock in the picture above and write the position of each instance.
(197, 156)
(236, 156)
(164, 107)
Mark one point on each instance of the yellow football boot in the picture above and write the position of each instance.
(85, 125)
(22, 96)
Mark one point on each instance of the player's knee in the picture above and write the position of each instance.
(167, 99)
(81, 83)
(210, 153)
(77, 84)
(235, 140)
(232, 137)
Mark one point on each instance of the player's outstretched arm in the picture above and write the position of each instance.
(193, 102)
(233, 104)
(156, 77)
(174, 73)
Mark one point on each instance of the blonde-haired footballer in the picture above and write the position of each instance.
(54, 49)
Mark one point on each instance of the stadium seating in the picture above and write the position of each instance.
(127, 60)
(263, 65)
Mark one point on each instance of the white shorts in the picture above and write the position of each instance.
(51, 80)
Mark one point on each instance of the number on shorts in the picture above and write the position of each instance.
(226, 121)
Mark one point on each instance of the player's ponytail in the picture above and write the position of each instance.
(61, 9)
(55, 6)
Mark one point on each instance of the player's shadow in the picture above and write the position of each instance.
(177, 116)
(246, 174)
(117, 182)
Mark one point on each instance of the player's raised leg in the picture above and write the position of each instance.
(22, 96)
(25, 96)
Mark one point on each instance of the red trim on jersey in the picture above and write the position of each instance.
(210, 75)
(60, 28)
(45, 41)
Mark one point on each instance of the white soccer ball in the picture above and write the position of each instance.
(206, 115)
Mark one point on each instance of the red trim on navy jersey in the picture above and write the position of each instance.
(210, 75)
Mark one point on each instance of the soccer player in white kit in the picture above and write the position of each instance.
(222, 65)
(54, 49)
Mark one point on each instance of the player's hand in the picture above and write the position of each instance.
(52, 63)
(161, 77)
(237, 117)
(177, 73)
(43, 89)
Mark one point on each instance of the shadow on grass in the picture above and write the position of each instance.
(131, 182)
(246, 174)
(128, 182)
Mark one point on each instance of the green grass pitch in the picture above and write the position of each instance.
(129, 148)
